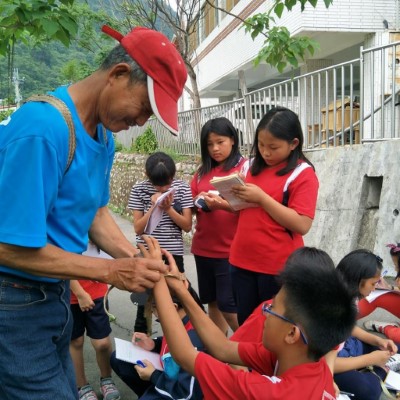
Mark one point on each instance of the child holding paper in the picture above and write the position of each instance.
(270, 232)
(150, 383)
(176, 210)
(361, 270)
(389, 301)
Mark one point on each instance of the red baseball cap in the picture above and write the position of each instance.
(164, 66)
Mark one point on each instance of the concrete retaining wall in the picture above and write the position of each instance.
(358, 203)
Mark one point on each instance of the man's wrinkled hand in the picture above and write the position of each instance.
(136, 274)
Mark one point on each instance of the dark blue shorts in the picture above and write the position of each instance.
(214, 279)
(95, 322)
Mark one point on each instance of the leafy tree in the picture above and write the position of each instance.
(38, 20)
(34, 21)
(280, 49)
(43, 61)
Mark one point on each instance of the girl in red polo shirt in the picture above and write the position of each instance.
(266, 235)
(215, 226)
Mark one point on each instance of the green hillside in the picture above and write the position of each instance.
(44, 67)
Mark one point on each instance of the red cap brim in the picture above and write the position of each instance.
(164, 107)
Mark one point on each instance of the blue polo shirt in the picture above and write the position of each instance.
(38, 203)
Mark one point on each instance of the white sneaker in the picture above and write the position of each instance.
(377, 326)
(394, 362)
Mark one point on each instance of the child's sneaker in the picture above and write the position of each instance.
(108, 389)
(87, 393)
(394, 362)
(377, 326)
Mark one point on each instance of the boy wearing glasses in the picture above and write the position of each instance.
(302, 325)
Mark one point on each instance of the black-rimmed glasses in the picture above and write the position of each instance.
(266, 308)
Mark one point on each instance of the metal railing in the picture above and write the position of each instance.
(345, 104)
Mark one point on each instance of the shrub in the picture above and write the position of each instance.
(5, 114)
(146, 143)
(118, 145)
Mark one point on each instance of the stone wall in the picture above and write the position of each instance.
(358, 203)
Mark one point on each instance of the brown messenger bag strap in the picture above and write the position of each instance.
(63, 109)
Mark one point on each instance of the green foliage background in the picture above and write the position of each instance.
(41, 67)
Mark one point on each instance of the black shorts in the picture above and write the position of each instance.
(178, 261)
(95, 322)
(214, 279)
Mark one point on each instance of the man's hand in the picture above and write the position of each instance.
(136, 274)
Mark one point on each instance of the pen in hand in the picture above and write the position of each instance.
(140, 363)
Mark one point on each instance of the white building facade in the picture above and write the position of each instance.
(340, 30)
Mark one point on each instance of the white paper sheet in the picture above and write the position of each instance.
(379, 292)
(127, 351)
(392, 380)
(157, 213)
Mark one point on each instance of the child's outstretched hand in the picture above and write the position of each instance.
(142, 340)
(153, 250)
(145, 372)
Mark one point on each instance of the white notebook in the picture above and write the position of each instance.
(392, 380)
(127, 351)
(157, 213)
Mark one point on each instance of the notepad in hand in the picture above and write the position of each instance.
(224, 186)
(392, 380)
(127, 351)
(157, 213)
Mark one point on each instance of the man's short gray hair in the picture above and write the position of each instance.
(119, 55)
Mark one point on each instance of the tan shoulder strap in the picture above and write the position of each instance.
(63, 109)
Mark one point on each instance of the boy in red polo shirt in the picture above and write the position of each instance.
(310, 315)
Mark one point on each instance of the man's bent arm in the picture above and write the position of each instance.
(133, 274)
(107, 235)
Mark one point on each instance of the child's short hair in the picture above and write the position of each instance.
(318, 300)
(160, 169)
(358, 265)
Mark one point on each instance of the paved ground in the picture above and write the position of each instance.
(125, 311)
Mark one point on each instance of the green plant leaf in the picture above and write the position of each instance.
(278, 9)
(50, 27)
